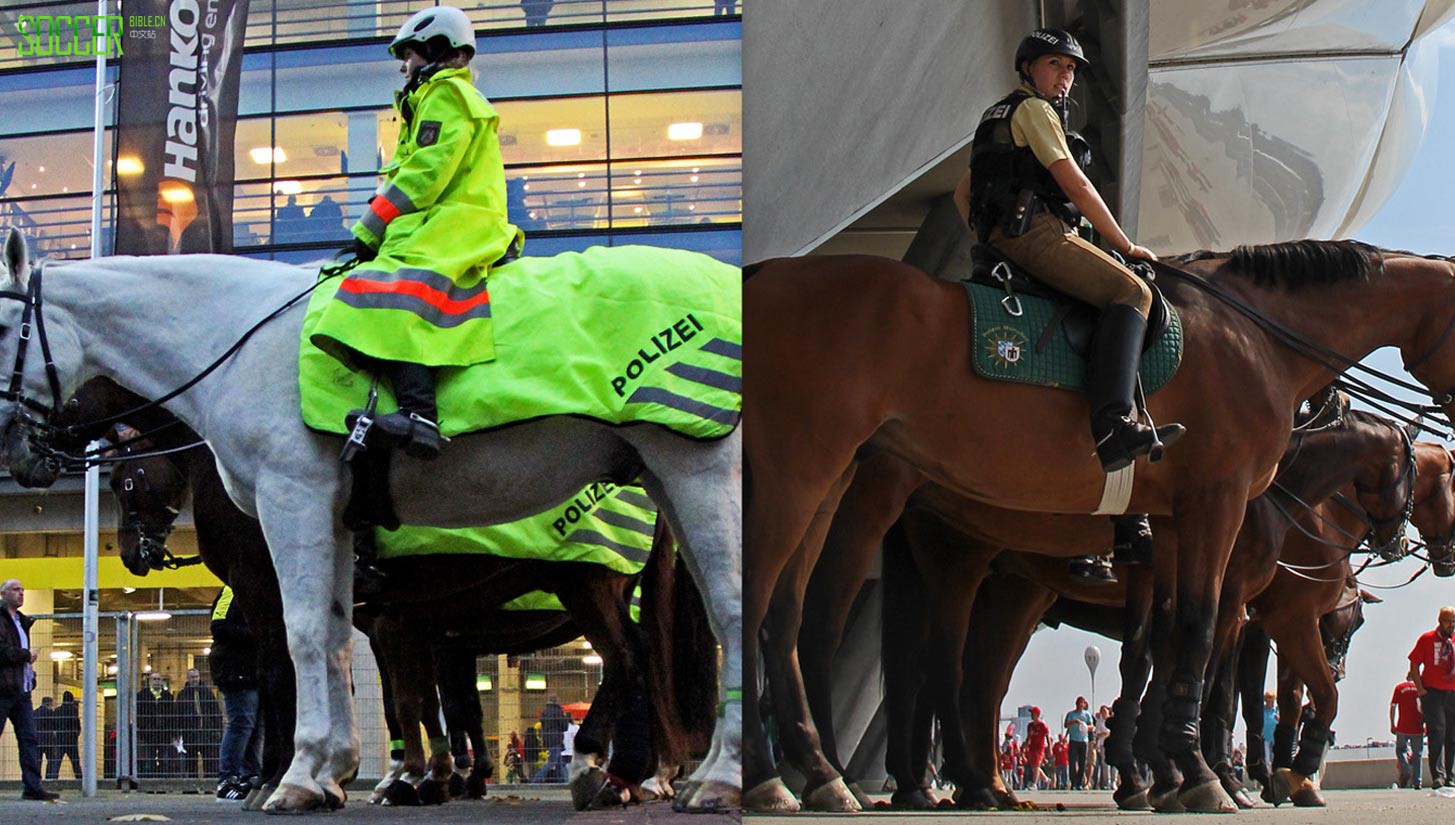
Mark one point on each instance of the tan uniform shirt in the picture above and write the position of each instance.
(1036, 124)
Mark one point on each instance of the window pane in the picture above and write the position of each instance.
(51, 101)
(57, 227)
(677, 123)
(49, 164)
(544, 131)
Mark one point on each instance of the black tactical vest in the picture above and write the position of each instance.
(1000, 170)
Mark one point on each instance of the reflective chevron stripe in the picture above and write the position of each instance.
(429, 295)
(681, 403)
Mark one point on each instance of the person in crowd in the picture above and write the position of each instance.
(1432, 669)
(1270, 724)
(65, 737)
(532, 756)
(1033, 750)
(200, 718)
(568, 744)
(1239, 763)
(1100, 732)
(17, 680)
(234, 665)
(45, 734)
(1010, 761)
(1408, 727)
(155, 729)
(554, 722)
(514, 756)
(326, 220)
(1078, 735)
(437, 225)
(1061, 760)
(536, 12)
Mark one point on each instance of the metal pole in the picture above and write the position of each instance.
(89, 627)
(98, 129)
(125, 687)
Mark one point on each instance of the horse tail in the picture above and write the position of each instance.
(682, 667)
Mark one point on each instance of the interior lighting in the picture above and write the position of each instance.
(287, 187)
(563, 137)
(684, 131)
(111, 670)
(152, 616)
(173, 192)
(484, 684)
(262, 155)
(61, 655)
(581, 184)
(693, 179)
(593, 659)
(42, 169)
(108, 693)
(206, 651)
(535, 681)
(128, 166)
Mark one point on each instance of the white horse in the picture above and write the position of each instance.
(151, 323)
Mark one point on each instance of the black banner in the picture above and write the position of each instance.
(176, 118)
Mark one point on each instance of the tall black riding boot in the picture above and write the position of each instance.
(415, 425)
(1116, 354)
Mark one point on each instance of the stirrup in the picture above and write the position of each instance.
(1092, 569)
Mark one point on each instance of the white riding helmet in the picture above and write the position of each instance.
(441, 21)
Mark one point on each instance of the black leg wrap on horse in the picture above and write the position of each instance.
(1180, 716)
(1123, 728)
(1283, 736)
(1312, 742)
(1257, 767)
(631, 752)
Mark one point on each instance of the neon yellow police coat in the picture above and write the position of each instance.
(438, 222)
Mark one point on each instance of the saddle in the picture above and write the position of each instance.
(1074, 317)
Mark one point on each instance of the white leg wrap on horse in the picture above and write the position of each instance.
(1117, 493)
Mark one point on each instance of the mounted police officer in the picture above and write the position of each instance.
(1027, 192)
(429, 236)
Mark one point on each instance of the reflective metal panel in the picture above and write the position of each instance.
(1226, 28)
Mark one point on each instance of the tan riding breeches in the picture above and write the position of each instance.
(1064, 260)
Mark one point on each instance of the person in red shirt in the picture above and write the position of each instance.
(1408, 727)
(1010, 753)
(1033, 750)
(1432, 669)
(1061, 758)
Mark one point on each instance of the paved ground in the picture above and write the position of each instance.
(1365, 807)
(503, 808)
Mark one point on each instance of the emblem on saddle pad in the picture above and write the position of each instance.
(1005, 345)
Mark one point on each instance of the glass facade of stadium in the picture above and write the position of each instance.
(620, 123)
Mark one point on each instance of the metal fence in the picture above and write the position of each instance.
(161, 727)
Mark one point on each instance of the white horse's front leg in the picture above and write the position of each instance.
(298, 526)
(343, 756)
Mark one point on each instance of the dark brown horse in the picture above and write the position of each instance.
(855, 353)
(444, 592)
(949, 537)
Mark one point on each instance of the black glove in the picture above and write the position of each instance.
(359, 250)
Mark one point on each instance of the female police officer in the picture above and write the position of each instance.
(1025, 193)
(429, 236)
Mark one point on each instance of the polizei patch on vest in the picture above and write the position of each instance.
(684, 330)
(581, 506)
(429, 133)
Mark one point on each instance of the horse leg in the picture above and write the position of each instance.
(1135, 666)
(904, 644)
(1301, 646)
(872, 503)
(702, 499)
(1006, 612)
(598, 604)
(1220, 704)
(1290, 708)
(1166, 779)
(454, 672)
(277, 701)
(824, 789)
(343, 749)
(401, 659)
(395, 773)
(1205, 539)
(1252, 676)
(299, 530)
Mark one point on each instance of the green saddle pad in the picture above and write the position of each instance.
(621, 334)
(1006, 346)
(603, 524)
(542, 600)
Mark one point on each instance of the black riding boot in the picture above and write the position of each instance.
(414, 426)
(1132, 539)
(1092, 569)
(1116, 354)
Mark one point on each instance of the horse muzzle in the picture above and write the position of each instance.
(1395, 549)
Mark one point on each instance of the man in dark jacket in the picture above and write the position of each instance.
(65, 737)
(45, 733)
(200, 716)
(554, 722)
(155, 729)
(17, 680)
(234, 663)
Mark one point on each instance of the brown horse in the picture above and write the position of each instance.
(950, 537)
(856, 353)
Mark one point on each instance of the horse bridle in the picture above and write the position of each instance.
(151, 535)
(1394, 549)
(1440, 550)
(1337, 650)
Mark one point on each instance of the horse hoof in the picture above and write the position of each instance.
(1165, 801)
(655, 787)
(256, 798)
(291, 799)
(333, 796)
(456, 786)
(1242, 799)
(1005, 799)
(432, 792)
(586, 786)
(1134, 801)
(476, 787)
(976, 799)
(912, 799)
(865, 803)
(1301, 789)
(771, 796)
(400, 793)
(714, 796)
(1207, 798)
(831, 797)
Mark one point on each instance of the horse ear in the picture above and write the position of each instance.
(1369, 598)
(17, 258)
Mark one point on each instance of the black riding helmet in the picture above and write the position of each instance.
(1050, 41)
